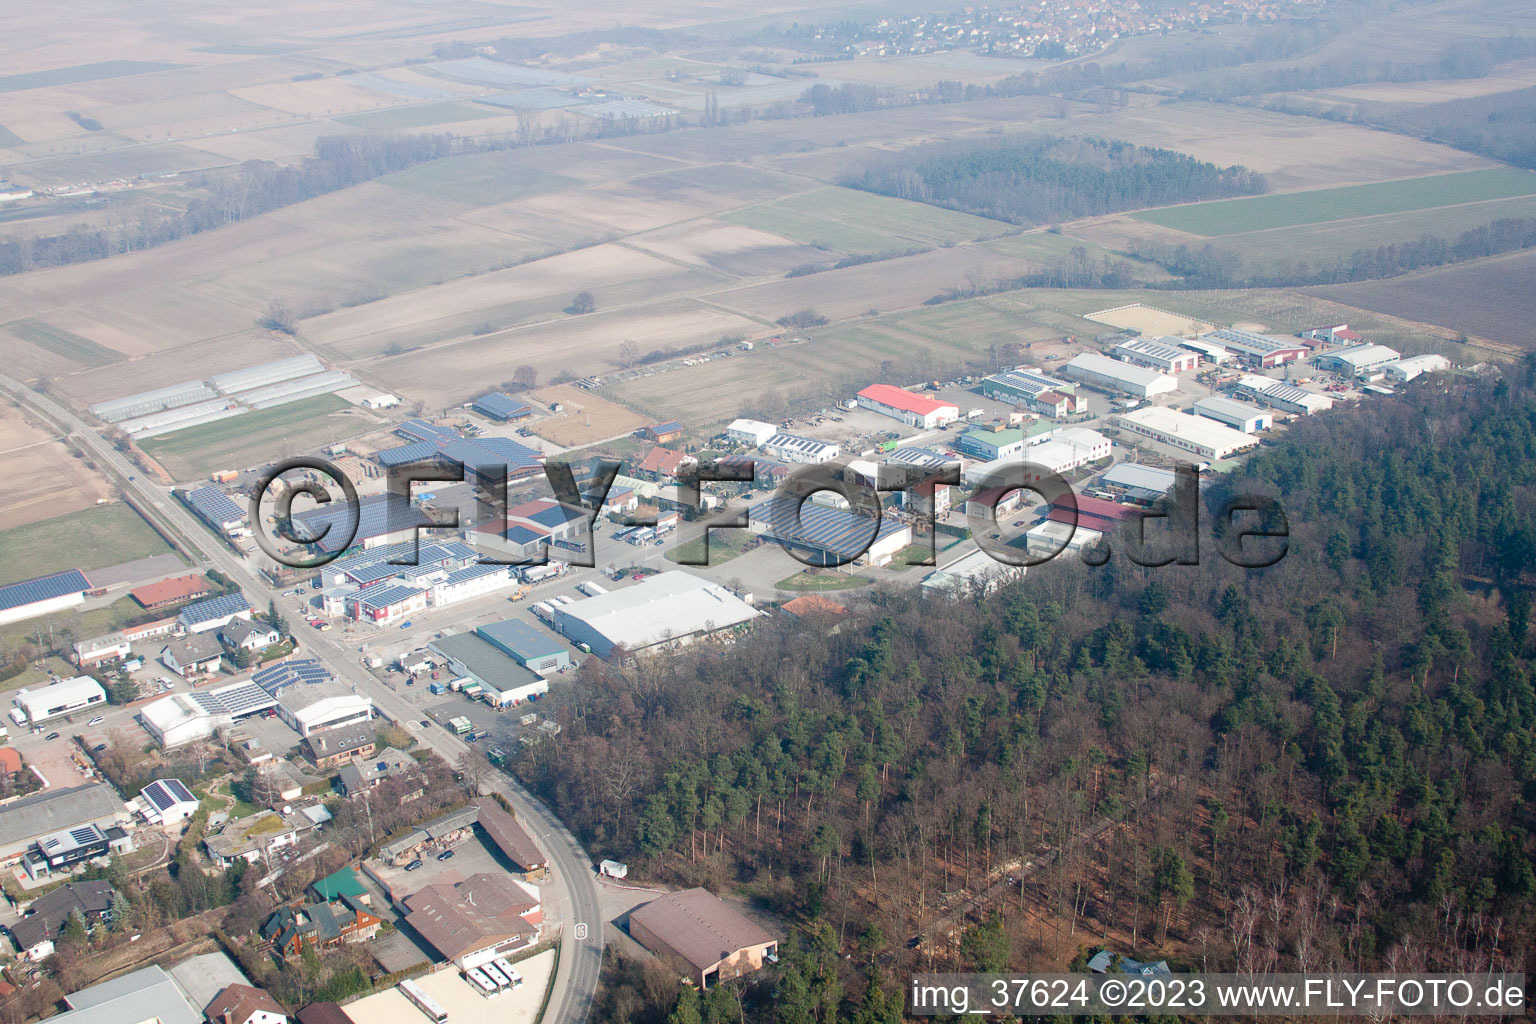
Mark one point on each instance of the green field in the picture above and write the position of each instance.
(425, 116)
(1292, 209)
(80, 73)
(251, 437)
(848, 220)
(63, 343)
(724, 545)
(480, 179)
(9, 138)
(92, 538)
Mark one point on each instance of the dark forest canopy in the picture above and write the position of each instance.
(1038, 179)
(1331, 762)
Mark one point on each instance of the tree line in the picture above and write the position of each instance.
(1039, 179)
(1325, 764)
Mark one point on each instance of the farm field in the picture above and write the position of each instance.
(39, 478)
(1490, 298)
(1291, 209)
(1150, 320)
(479, 179)
(427, 116)
(587, 418)
(256, 436)
(850, 221)
(91, 538)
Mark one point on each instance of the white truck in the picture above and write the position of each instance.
(591, 589)
(538, 573)
(545, 610)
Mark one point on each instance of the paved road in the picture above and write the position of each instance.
(572, 890)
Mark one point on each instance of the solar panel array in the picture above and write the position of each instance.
(235, 701)
(213, 608)
(376, 516)
(185, 393)
(42, 588)
(265, 373)
(501, 406)
(215, 506)
(845, 534)
(277, 678)
(472, 572)
(386, 596)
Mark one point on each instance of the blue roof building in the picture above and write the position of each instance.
(213, 613)
(216, 509)
(42, 595)
(377, 517)
(503, 407)
(829, 536)
(530, 647)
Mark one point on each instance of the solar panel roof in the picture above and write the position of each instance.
(214, 505)
(43, 588)
(214, 608)
(471, 572)
(376, 515)
(235, 701)
(387, 596)
(845, 534)
(499, 404)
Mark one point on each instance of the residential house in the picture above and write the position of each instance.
(245, 634)
(242, 1004)
(193, 655)
(45, 919)
(292, 930)
(331, 747)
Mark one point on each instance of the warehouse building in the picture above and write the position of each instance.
(1237, 415)
(971, 573)
(1091, 444)
(1035, 391)
(218, 510)
(503, 682)
(911, 409)
(42, 595)
(657, 613)
(1258, 349)
(698, 933)
(1106, 374)
(470, 581)
(1204, 437)
(58, 699)
(1358, 360)
(750, 432)
(185, 717)
(830, 536)
(1166, 355)
(794, 448)
(1285, 397)
(1405, 370)
(502, 407)
(1133, 482)
(431, 443)
(23, 822)
(532, 648)
(989, 444)
(1207, 350)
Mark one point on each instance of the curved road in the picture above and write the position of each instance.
(573, 886)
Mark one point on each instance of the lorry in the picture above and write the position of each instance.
(225, 476)
(545, 610)
(591, 589)
(539, 573)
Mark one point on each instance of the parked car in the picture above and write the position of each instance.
(98, 748)
(425, 722)
(410, 681)
(96, 721)
(51, 736)
(413, 865)
(406, 624)
(445, 855)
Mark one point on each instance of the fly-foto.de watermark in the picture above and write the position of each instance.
(1254, 532)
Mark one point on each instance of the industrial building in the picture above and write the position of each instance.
(1405, 370)
(1143, 485)
(971, 573)
(1207, 350)
(145, 995)
(474, 921)
(1197, 434)
(218, 510)
(470, 581)
(698, 933)
(1258, 349)
(1237, 415)
(1358, 360)
(830, 536)
(23, 822)
(1106, 374)
(1166, 355)
(911, 409)
(42, 595)
(657, 613)
(1285, 397)
(187, 717)
(1035, 391)
(988, 444)
(502, 407)
(750, 432)
(530, 647)
(431, 443)
(794, 448)
(58, 699)
(383, 606)
(1091, 444)
(1051, 538)
(502, 681)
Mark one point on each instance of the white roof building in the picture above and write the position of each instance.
(1405, 370)
(669, 608)
(166, 802)
(1059, 538)
(1237, 415)
(794, 448)
(64, 698)
(1108, 374)
(970, 572)
(327, 713)
(1208, 350)
(1196, 434)
(752, 432)
(1359, 359)
(1167, 355)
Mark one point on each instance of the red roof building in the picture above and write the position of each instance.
(1093, 513)
(172, 591)
(666, 462)
(911, 409)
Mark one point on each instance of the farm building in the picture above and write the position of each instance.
(217, 509)
(661, 611)
(1358, 360)
(1405, 370)
(661, 433)
(145, 402)
(381, 400)
(42, 595)
(794, 448)
(829, 536)
(1285, 397)
(1237, 415)
(901, 404)
(502, 407)
(1257, 349)
(702, 936)
(1197, 434)
(213, 613)
(1106, 374)
(750, 432)
(503, 682)
(64, 698)
(1035, 391)
(1166, 355)
(983, 443)
(532, 648)
(1207, 350)
(172, 591)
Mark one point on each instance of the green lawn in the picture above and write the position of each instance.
(1291, 209)
(480, 179)
(282, 430)
(807, 582)
(848, 220)
(425, 116)
(92, 538)
(724, 545)
(97, 622)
